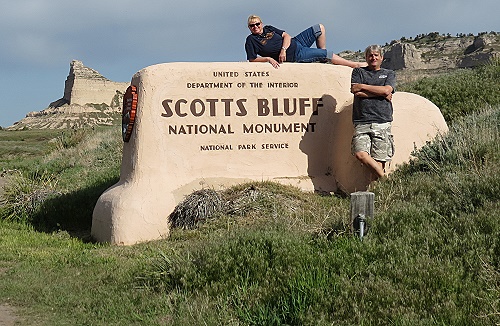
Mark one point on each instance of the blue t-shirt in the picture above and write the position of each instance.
(268, 44)
(373, 109)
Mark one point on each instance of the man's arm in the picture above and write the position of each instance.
(372, 89)
(287, 39)
(365, 90)
(266, 59)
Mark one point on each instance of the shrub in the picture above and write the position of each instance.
(69, 138)
(462, 92)
(24, 195)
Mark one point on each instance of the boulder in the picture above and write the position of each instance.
(190, 126)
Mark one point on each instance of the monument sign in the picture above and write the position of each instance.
(188, 126)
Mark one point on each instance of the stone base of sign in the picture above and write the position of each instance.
(200, 125)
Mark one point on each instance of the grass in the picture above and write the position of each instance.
(23, 144)
(271, 255)
(460, 92)
(59, 189)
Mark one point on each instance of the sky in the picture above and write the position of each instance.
(39, 38)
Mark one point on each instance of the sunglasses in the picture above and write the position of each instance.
(253, 25)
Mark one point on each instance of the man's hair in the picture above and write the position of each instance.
(373, 48)
(253, 17)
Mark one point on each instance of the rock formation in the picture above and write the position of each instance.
(85, 85)
(435, 52)
(480, 51)
(89, 99)
(403, 56)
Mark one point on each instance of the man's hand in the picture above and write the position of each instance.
(274, 63)
(282, 56)
(355, 88)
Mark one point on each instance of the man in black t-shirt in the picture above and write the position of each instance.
(273, 45)
(373, 86)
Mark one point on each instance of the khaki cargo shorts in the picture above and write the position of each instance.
(375, 139)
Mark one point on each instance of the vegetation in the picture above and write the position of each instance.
(461, 92)
(58, 185)
(19, 146)
(433, 37)
(278, 257)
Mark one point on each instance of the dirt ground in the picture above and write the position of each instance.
(7, 315)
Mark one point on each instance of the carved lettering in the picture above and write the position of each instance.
(198, 107)
(283, 106)
(209, 85)
(247, 146)
(268, 128)
(199, 129)
(228, 107)
(221, 147)
(257, 74)
(226, 74)
(275, 146)
(282, 85)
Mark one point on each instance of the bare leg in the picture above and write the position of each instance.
(321, 40)
(376, 167)
(336, 60)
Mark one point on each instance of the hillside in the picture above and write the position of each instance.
(434, 53)
(92, 99)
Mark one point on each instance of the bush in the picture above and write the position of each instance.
(60, 189)
(69, 138)
(463, 92)
(24, 194)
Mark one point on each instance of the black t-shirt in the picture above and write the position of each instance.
(373, 109)
(268, 44)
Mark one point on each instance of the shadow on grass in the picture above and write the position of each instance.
(71, 212)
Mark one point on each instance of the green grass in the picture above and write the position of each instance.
(60, 188)
(278, 256)
(461, 92)
(18, 145)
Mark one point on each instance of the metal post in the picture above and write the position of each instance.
(362, 208)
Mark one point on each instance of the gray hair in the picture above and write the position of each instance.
(373, 48)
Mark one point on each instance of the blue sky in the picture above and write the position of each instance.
(39, 38)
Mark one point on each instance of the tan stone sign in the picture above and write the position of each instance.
(198, 125)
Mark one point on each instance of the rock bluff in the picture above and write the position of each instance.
(434, 53)
(89, 99)
(85, 85)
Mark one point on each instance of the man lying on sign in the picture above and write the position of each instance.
(270, 44)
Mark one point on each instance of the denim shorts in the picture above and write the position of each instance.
(374, 138)
(304, 52)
